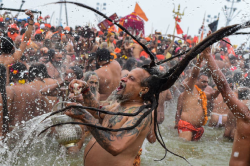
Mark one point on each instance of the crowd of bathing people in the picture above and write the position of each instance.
(40, 65)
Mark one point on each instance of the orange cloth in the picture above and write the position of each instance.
(12, 36)
(137, 161)
(186, 126)
(148, 39)
(117, 50)
(67, 28)
(203, 102)
(140, 12)
(13, 26)
(143, 53)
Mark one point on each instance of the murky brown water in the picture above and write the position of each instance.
(212, 149)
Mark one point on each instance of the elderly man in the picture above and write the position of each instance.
(109, 73)
(192, 105)
(241, 147)
(93, 82)
(120, 148)
(55, 66)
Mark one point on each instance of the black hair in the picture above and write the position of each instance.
(18, 71)
(38, 37)
(202, 74)
(53, 29)
(51, 54)
(22, 31)
(5, 119)
(129, 65)
(103, 55)
(7, 45)
(77, 71)
(38, 70)
(90, 60)
(119, 43)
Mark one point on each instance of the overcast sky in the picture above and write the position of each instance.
(159, 13)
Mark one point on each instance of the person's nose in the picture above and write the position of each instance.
(124, 79)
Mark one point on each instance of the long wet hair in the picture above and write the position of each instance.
(163, 82)
(5, 127)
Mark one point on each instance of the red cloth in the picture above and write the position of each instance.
(178, 29)
(233, 68)
(160, 57)
(186, 126)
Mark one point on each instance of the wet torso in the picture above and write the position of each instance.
(25, 104)
(47, 101)
(98, 156)
(192, 111)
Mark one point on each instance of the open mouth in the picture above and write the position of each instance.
(121, 86)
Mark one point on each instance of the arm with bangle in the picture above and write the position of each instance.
(54, 89)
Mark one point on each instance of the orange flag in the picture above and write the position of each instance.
(178, 29)
(140, 12)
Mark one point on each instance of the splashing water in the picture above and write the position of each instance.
(23, 147)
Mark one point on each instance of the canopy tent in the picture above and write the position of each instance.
(133, 23)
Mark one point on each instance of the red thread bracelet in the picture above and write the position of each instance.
(85, 91)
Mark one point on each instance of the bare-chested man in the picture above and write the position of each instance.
(241, 146)
(120, 148)
(137, 49)
(55, 66)
(7, 46)
(24, 102)
(40, 79)
(191, 112)
(109, 73)
(220, 109)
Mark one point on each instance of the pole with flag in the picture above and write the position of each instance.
(213, 26)
(140, 12)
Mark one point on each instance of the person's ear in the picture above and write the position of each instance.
(144, 90)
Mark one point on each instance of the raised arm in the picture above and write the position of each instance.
(18, 53)
(194, 75)
(114, 142)
(239, 109)
(213, 95)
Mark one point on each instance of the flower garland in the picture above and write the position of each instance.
(203, 102)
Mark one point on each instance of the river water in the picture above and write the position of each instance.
(24, 148)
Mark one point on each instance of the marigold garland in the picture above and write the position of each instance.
(203, 103)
